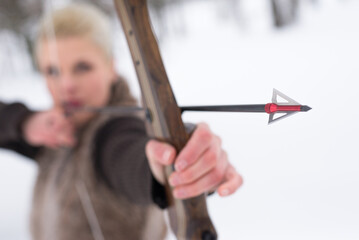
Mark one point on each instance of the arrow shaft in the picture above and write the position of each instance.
(268, 108)
(227, 108)
(259, 108)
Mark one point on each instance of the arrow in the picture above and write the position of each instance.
(288, 108)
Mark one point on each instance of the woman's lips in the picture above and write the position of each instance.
(74, 104)
(71, 106)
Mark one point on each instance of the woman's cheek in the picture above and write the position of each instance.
(55, 93)
(96, 91)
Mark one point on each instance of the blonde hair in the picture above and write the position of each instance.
(77, 20)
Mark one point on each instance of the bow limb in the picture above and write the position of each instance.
(189, 219)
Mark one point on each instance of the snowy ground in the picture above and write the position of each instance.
(301, 174)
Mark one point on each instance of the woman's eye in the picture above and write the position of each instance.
(83, 67)
(52, 72)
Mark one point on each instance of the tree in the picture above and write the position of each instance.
(284, 11)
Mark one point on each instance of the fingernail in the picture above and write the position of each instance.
(181, 165)
(179, 193)
(174, 180)
(167, 156)
(224, 192)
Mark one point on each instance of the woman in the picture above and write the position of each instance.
(100, 177)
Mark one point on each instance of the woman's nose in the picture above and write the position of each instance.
(68, 85)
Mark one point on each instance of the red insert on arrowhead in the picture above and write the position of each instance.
(272, 108)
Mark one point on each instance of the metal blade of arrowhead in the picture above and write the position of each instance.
(289, 100)
(277, 93)
(272, 119)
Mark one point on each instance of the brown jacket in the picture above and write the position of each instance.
(100, 189)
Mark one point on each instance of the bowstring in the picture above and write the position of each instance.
(81, 188)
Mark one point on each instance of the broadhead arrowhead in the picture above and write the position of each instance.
(289, 101)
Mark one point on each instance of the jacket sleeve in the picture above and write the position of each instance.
(11, 119)
(121, 161)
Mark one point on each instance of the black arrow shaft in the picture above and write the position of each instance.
(259, 108)
(227, 108)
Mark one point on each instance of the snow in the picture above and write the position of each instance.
(301, 176)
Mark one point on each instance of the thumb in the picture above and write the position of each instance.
(160, 153)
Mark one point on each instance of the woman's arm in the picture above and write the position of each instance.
(120, 160)
(202, 166)
(12, 117)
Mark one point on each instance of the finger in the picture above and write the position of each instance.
(65, 140)
(232, 182)
(200, 140)
(60, 121)
(67, 134)
(51, 136)
(206, 163)
(62, 129)
(202, 185)
(49, 120)
(160, 152)
(49, 141)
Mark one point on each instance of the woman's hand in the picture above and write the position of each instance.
(201, 166)
(49, 128)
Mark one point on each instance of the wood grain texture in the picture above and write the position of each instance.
(189, 219)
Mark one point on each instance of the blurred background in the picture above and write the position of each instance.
(301, 175)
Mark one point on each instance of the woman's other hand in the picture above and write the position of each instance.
(49, 128)
(202, 166)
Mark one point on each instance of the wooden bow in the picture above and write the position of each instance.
(189, 219)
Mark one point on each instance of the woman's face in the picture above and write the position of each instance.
(77, 73)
